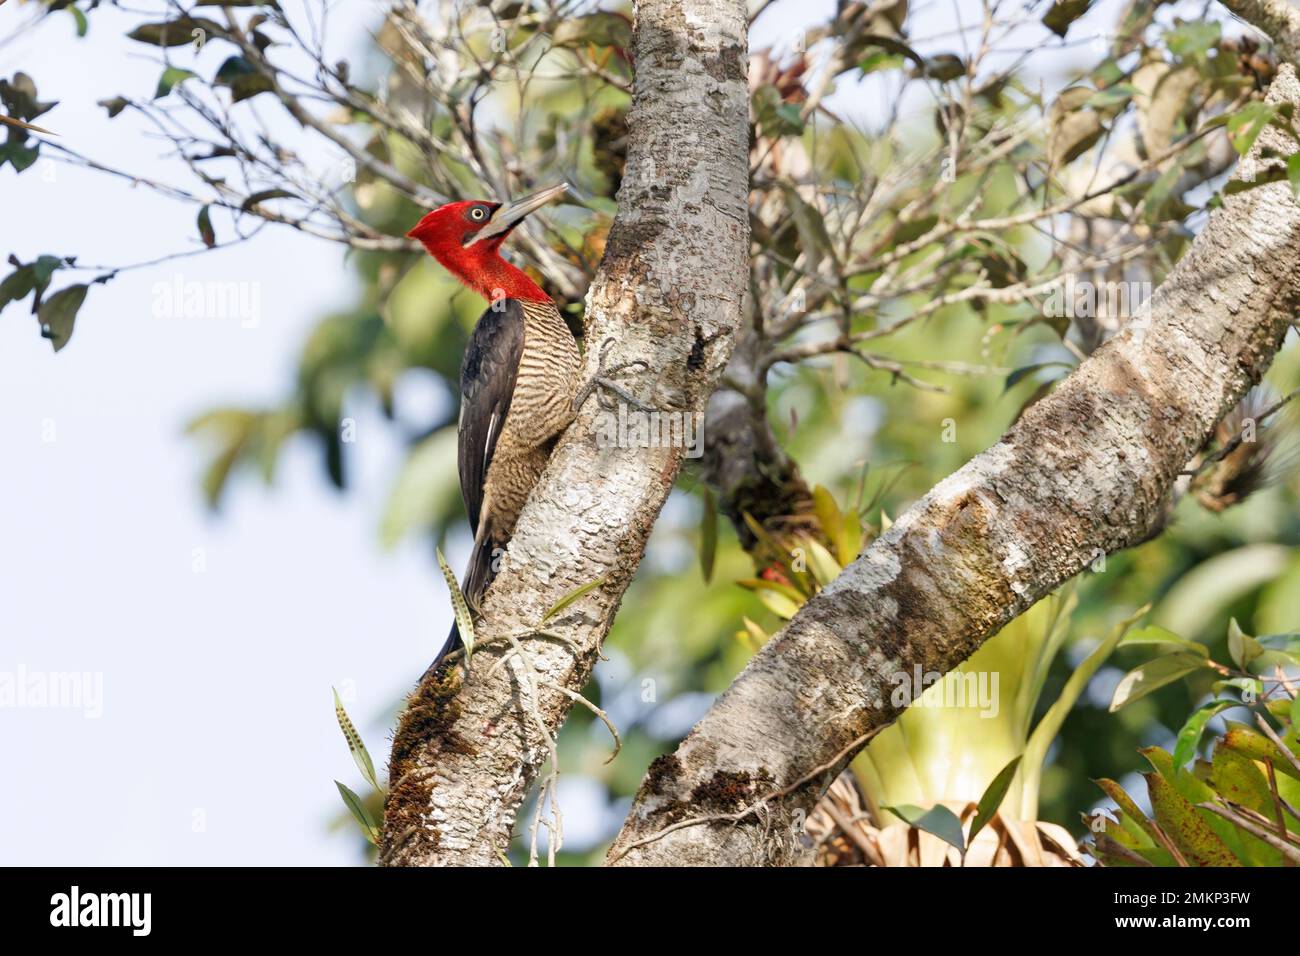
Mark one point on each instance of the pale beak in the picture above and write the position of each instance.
(512, 213)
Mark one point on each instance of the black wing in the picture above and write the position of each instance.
(487, 382)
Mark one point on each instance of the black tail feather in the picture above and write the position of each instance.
(473, 585)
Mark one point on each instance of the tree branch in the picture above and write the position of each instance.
(669, 292)
(1087, 470)
(1276, 19)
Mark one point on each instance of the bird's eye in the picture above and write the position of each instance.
(478, 213)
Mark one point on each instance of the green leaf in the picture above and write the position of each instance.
(833, 525)
(82, 24)
(709, 535)
(602, 28)
(569, 598)
(814, 240)
(775, 118)
(170, 77)
(1185, 826)
(464, 620)
(1193, 38)
(1063, 13)
(1049, 726)
(938, 821)
(1258, 747)
(426, 488)
(360, 755)
(1236, 777)
(1190, 735)
(264, 195)
(776, 602)
(19, 98)
(821, 562)
(993, 796)
(1130, 809)
(58, 314)
(178, 32)
(1242, 648)
(759, 635)
(20, 157)
(114, 105)
(1246, 124)
(16, 285)
(1154, 674)
(944, 67)
(1161, 636)
(1293, 173)
(206, 232)
(359, 813)
(1019, 374)
(243, 79)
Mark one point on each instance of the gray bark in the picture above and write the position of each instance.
(1086, 471)
(669, 292)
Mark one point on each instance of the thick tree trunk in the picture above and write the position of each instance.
(668, 292)
(1087, 470)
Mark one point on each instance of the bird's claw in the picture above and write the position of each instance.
(602, 381)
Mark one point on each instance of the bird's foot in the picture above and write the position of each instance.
(602, 383)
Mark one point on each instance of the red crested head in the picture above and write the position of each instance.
(466, 237)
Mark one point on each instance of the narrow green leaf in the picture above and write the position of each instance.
(1130, 809)
(1019, 374)
(464, 620)
(1151, 676)
(264, 195)
(178, 32)
(938, 821)
(206, 232)
(569, 598)
(1050, 725)
(709, 535)
(360, 755)
(832, 523)
(1160, 636)
(993, 796)
(780, 605)
(1190, 735)
(759, 636)
(1293, 173)
(821, 562)
(82, 24)
(359, 813)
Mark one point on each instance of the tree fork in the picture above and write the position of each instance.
(1088, 470)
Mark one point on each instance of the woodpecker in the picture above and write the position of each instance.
(518, 377)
